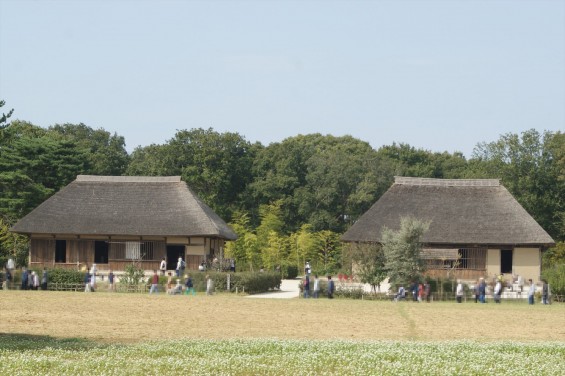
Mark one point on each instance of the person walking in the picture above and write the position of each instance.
(163, 266)
(306, 286)
(87, 281)
(331, 287)
(25, 277)
(154, 283)
(307, 268)
(476, 291)
(459, 292)
(44, 280)
(497, 291)
(482, 290)
(316, 286)
(189, 286)
(531, 292)
(544, 292)
(7, 283)
(180, 267)
(209, 285)
(111, 285)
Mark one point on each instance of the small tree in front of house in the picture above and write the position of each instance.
(369, 264)
(402, 251)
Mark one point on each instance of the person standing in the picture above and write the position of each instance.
(331, 287)
(459, 292)
(476, 291)
(420, 292)
(154, 283)
(497, 291)
(44, 280)
(482, 290)
(531, 292)
(306, 286)
(427, 291)
(178, 270)
(169, 282)
(189, 285)
(163, 266)
(11, 265)
(316, 286)
(35, 283)
(209, 285)
(8, 281)
(25, 277)
(307, 268)
(87, 281)
(93, 272)
(111, 286)
(544, 292)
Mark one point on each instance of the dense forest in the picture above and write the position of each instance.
(288, 201)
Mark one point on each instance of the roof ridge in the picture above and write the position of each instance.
(129, 179)
(405, 180)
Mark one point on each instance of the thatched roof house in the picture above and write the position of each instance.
(476, 225)
(110, 220)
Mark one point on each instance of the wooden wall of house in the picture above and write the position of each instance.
(42, 251)
(464, 274)
(80, 251)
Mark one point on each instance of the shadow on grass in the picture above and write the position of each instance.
(17, 341)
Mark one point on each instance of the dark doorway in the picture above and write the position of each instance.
(506, 261)
(61, 251)
(100, 252)
(173, 254)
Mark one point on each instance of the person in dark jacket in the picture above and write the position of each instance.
(44, 280)
(482, 290)
(25, 277)
(331, 287)
(189, 285)
(306, 286)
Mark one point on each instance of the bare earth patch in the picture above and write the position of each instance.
(127, 318)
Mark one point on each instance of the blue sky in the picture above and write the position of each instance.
(438, 75)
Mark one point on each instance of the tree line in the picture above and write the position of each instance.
(288, 201)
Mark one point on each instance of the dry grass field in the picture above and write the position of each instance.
(132, 318)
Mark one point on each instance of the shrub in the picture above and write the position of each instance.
(133, 275)
(255, 282)
(555, 277)
(289, 271)
(65, 276)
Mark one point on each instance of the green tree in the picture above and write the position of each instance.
(216, 166)
(33, 166)
(329, 251)
(303, 246)
(106, 153)
(409, 161)
(369, 263)
(324, 181)
(12, 245)
(271, 221)
(237, 249)
(529, 167)
(402, 251)
(275, 252)
(4, 118)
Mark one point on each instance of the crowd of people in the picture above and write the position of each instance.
(417, 291)
(479, 290)
(317, 287)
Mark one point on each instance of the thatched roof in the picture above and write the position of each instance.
(462, 212)
(125, 205)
